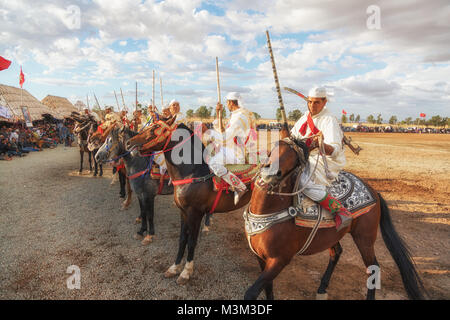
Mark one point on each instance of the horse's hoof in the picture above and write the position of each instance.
(138, 236)
(322, 296)
(137, 221)
(205, 229)
(80, 173)
(182, 280)
(173, 271)
(147, 240)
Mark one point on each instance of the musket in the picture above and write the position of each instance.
(117, 101)
(277, 84)
(219, 98)
(123, 100)
(98, 104)
(153, 88)
(160, 87)
(346, 140)
(87, 100)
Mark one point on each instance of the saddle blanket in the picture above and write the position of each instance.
(156, 174)
(350, 190)
(245, 172)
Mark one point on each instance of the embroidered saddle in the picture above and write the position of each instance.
(245, 172)
(350, 190)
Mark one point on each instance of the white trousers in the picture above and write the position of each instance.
(314, 191)
(224, 156)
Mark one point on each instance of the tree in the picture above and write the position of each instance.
(279, 114)
(203, 112)
(371, 119)
(435, 121)
(257, 116)
(344, 118)
(393, 120)
(224, 113)
(358, 118)
(294, 115)
(379, 119)
(190, 113)
(408, 120)
(352, 118)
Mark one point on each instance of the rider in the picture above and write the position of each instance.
(320, 121)
(232, 143)
(174, 108)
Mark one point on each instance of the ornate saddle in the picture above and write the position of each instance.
(245, 172)
(156, 174)
(350, 190)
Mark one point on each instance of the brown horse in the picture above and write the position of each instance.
(194, 198)
(277, 245)
(95, 141)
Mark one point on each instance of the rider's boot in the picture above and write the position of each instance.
(237, 184)
(342, 216)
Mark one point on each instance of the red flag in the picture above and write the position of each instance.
(423, 115)
(22, 78)
(4, 64)
(344, 112)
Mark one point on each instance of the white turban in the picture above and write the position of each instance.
(317, 92)
(233, 96)
(172, 102)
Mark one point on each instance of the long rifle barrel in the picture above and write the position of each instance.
(277, 83)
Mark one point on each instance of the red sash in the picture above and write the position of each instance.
(310, 123)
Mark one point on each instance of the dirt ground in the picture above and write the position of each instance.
(51, 219)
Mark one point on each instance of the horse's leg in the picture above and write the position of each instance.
(207, 223)
(127, 201)
(90, 161)
(366, 248)
(95, 163)
(271, 270)
(194, 220)
(177, 267)
(140, 234)
(269, 286)
(81, 160)
(149, 203)
(101, 170)
(122, 182)
(335, 253)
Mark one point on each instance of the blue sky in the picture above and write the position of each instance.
(401, 68)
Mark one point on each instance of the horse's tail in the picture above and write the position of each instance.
(401, 254)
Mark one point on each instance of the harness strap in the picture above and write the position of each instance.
(137, 175)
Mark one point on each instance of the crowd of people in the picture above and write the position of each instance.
(18, 140)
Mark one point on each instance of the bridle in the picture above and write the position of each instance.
(296, 170)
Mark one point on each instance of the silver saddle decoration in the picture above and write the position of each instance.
(350, 190)
(347, 188)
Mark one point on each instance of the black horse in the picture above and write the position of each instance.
(138, 170)
(81, 130)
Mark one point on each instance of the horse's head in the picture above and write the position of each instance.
(287, 159)
(153, 138)
(112, 147)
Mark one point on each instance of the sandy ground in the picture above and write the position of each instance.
(51, 219)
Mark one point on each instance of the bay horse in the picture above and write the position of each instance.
(277, 245)
(95, 141)
(138, 169)
(93, 146)
(81, 130)
(194, 191)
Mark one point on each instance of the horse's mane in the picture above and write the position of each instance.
(302, 145)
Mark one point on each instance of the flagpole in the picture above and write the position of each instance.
(136, 97)
(123, 100)
(153, 88)
(87, 101)
(160, 86)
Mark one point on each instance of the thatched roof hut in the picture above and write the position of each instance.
(14, 98)
(59, 104)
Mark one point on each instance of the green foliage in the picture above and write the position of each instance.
(190, 113)
(279, 116)
(295, 115)
(358, 118)
(344, 118)
(203, 112)
(379, 119)
(257, 116)
(352, 117)
(371, 119)
(393, 120)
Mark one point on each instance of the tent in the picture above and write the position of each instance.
(14, 98)
(60, 105)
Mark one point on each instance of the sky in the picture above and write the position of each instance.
(387, 57)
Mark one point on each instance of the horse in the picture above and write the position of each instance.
(276, 246)
(139, 170)
(81, 130)
(93, 146)
(96, 140)
(194, 191)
